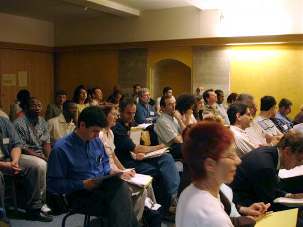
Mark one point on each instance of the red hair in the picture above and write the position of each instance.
(204, 140)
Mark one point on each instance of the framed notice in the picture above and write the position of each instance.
(22, 78)
(8, 80)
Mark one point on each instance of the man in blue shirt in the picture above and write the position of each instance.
(145, 112)
(75, 162)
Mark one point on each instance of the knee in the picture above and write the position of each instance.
(39, 166)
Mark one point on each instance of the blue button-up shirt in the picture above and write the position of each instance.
(145, 113)
(73, 160)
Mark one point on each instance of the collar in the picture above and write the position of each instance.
(78, 140)
(238, 129)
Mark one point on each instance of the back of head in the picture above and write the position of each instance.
(185, 102)
(93, 116)
(286, 103)
(231, 98)
(204, 140)
(124, 103)
(206, 94)
(267, 102)
(293, 141)
(234, 109)
(165, 90)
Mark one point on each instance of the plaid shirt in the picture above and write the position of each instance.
(32, 136)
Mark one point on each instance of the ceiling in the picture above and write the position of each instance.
(58, 10)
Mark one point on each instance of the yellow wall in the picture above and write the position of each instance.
(182, 54)
(275, 70)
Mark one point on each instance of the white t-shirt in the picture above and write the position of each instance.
(198, 208)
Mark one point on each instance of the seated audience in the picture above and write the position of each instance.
(210, 107)
(221, 106)
(184, 106)
(17, 109)
(33, 132)
(116, 96)
(53, 110)
(257, 176)
(267, 111)
(256, 134)
(145, 113)
(198, 108)
(64, 123)
(162, 168)
(232, 98)
(30, 168)
(97, 97)
(80, 98)
(135, 95)
(299, 117)
(209, 154)
(75, 163)
(167, 91)
(283, 123)
(240, 118)
(169, 126)
(107, 137)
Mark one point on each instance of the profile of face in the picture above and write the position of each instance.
(60, 99)
(220, 97)
(112, 118)
(35, 107)
(287, 110)
(170, 105)
(98, 94)
(145, 97)
(83, 95)
(199, 105)
(245, 119)
(212, 98)
(137, 89)
(290, 160)
(224, 169)
(128, 114)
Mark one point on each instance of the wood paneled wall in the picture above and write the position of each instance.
(40, 73)
(90, 68)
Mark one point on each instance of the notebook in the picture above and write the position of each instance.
(140, 180)
(286, 218)
(156, 153)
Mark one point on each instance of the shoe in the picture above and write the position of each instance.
(37, 215)
(45, 209)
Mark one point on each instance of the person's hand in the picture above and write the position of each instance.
(161, 146)
(89, 184)
(255, 210)
(177, 115)
(140, 156)
(127, 174)
(189, 113)
(15, 166)
(268, 138)
(9, 166)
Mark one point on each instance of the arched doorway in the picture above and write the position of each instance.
(173, 73)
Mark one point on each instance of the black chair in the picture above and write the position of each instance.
(72, 212)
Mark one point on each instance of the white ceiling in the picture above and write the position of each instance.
(154, 4)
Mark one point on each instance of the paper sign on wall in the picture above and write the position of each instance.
(22, 78)
(8, 80)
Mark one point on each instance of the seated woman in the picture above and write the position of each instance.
(80, 98)
(184, 106)
(107, 137)
(209, 154)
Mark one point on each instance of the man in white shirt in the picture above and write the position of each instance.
(240, 118)
(267, 111)
(63, 124)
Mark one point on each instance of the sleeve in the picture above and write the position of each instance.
(122, 141)
(14, 138)
(266, 185)
(139, 117)
(165, 132)
(57, 169)
(50, 128)
(105, 161)
(21, 131)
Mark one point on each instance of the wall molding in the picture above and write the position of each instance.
(26, 47)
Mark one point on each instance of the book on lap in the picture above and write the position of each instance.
(140, 180)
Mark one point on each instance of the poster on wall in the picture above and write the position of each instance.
(8, 80)
(22, 78)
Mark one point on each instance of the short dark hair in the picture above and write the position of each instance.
(107, 108)
(126, 102)
(267, 102)
(292, 140)
(232, 98)
(285, 103)
(92, 116)
(163, 100)
(206, 95)
(219, 92)
(244, 98)
(136, 85)
(234, 109)
(77, 91)
(60, 92)
(166, 89)
(94, 89)
(185, 102)
(67, 103)
(204, 140)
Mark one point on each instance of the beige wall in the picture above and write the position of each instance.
(16, 29)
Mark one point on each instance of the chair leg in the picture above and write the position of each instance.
(86, 221)
(65, 218)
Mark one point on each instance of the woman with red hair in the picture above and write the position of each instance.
(209, 152)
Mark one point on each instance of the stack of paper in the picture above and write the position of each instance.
(135, 135)
(140, 180)
(289, 201)
(286, 218)
(156, 153)
(297, 171)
